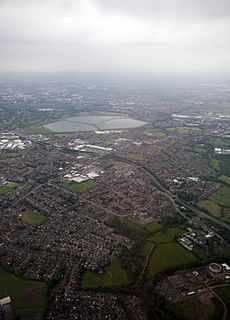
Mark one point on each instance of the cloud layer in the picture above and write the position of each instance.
(115, 35)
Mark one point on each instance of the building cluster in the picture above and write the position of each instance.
(194, 282)
(11, 142)
(194, 238)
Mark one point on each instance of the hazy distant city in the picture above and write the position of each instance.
(115, 198)
(114, 160)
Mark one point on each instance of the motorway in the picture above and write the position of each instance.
(156, 181)
(174, 199)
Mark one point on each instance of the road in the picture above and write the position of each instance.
(156, 181)
(174, 199)
(224, 317)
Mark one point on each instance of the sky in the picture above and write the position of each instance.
(143, 36)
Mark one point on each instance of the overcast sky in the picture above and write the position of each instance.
(115, 35)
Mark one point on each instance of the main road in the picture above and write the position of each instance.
(173, 198)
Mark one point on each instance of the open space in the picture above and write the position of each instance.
(167, 256)
(213, 208)
(4, 190)
(8, 155)
(27, 296)
(221, 196)
(168, 235)
(114, 275)
(31, 217)
(79, 187)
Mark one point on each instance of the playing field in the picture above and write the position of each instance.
(31, 217)
(213, 208)
(166, 256)
(27, 296)
(113, 276)
(136, 156)
(79, 187)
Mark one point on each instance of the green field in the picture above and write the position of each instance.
(224, 293)
(200, 148)
(136, 156)
(146, 248)
(215, 164)
(225, 179)
(213, 208)
(159, 134)
(184, 130)
(153, 226)
(191, 309)
(167, 235)
(114, 275)
(8, 155)
(27, 296)
(4, 190)
(79, 187)
(31, 217)
(37, 130)
(220, 142)
(166, 256)
(133, 224)
(221, 196)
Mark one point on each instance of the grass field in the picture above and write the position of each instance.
(167, 235)
(8, 155)
(79, 187)
(146, 248)
(221, 196)
(215, 164)
(153, 226)
(114, 275)
(220, 142)
(191, 309)
(4, 190)
(136, 156)
(27, 296)
(213, 208)
(133, 224)
(168, 255)
(37, 130)
(200, 148)
(226, 215)
(225, 179)
(31, 217)
(224, 293)
(184, 130)
(159, 134)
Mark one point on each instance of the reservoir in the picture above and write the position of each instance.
(94, 122)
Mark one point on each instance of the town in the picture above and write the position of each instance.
(111, 220)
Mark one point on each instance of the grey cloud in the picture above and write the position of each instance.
(170, 9)
(90, 35)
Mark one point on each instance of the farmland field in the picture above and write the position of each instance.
(168, 255)
(213, 208)
(221, 196)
